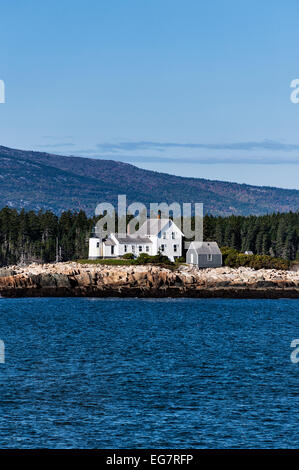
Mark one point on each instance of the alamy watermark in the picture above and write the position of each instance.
(295, 353)
(294, 97)
(2, 91)
(2, 352)
(188, 217)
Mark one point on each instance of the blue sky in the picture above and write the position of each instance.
(191, 87)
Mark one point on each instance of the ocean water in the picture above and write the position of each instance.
(159, 373)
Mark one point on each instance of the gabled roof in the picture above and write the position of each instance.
(206, 248)
(109, 242)
(154, 226)
(132, 240)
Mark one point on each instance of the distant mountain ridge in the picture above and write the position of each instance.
(38, 180)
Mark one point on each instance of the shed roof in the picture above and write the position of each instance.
(210, 248)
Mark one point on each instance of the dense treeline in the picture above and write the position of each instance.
(274, 235)
(42, 236)
(45, 237)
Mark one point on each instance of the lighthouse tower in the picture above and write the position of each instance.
(95, 245)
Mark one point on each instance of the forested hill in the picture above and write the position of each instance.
(44, 237)
(35, 180)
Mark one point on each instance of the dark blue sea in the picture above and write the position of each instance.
(133, 373)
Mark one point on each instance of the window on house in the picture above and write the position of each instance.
(175, 248)
(140, 248)
(173, 235)
(210, 257)
(98, 244)
(162, 247)
(126, 248)
(164, 235)
(147, 248)
(133, 248)
(112, 250)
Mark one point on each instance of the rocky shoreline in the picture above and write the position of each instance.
(77, 280)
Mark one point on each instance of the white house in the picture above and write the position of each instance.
(153, 236)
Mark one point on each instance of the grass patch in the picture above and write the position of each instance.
(109, 261)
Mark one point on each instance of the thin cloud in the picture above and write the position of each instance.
(131, 157)
(195, 160)
(57, 145)
(56, 137)
(162, 146)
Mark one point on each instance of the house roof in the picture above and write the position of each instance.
(132, 240)
(109, 242)
(210, 248)
(154, 226)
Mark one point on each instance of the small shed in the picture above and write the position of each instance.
(204, 255)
